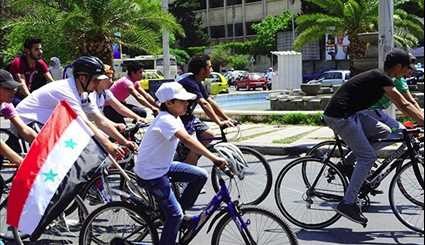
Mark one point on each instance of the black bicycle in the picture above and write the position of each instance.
(308, 188)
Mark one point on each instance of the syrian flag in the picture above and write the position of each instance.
(61, 159)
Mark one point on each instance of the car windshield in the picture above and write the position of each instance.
(255, 76)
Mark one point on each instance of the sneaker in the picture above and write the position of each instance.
(351, 212)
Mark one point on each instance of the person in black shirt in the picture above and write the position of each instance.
(344, 115)
(199, 68)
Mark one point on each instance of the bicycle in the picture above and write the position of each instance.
(254, 173)
(141, 224)
(323, 185)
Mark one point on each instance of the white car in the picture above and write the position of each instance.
(333, 77)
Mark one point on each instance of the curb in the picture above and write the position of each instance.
(297, 150)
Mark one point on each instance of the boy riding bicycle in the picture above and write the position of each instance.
(154, 165)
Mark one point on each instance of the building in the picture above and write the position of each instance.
(233, 19)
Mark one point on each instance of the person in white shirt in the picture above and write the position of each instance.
(154, 165)
(88, 71)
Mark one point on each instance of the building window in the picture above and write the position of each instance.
(234, 2)
(252, 1)
(216, 3)
(217, 31)
(249, 29)
(238, 30)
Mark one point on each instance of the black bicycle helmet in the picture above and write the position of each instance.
(90, 65)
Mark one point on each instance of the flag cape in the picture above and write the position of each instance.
(59, 160)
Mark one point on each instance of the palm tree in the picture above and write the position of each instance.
(352, 17)
(90, 27)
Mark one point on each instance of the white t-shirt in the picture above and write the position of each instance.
(99, 99)
(158, 146)
(40, 103)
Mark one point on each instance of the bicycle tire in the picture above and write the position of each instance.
(413, 211)
(264, 184)
(319, 202)
(93, 224)
(280, 228)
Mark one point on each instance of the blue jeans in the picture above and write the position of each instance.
(160, 188)
(358, 131)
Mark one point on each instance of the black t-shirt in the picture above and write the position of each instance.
(192, 86)
(358, 93)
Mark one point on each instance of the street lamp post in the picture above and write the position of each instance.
(165, 46)
(385, 39)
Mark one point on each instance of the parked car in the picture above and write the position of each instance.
(233, 76)
(252, 81)
(150, 75)
(216, 83)
(333, 77)
(313, 75)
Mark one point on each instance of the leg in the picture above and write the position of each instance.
(195, 177)
(140, 111)
(161, 189)
(113, 115)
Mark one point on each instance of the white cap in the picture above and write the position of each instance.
(102, 77)
(173, 90)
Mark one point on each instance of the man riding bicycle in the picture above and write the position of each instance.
(345, 115)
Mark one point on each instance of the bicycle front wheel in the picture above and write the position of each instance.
(263, 228)
(310, 204)
(407, 197)
(256, 183)
(119, 222)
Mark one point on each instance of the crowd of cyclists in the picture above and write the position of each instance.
(176, 138)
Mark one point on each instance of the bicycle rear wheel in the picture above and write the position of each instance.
(263, 226)
(407, 197)
(257, 182)
(118, 221)
(310, 204)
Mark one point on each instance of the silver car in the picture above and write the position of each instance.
(333, 77)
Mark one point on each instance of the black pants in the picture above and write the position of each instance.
(114, 116)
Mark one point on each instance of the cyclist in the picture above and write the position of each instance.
(200, 68)
(8, 88)
(154, 164)
(30, 69)
(87, 73)
(344, 115)
(102, 96)
(129, 85)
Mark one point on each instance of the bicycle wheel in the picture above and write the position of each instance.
(256, 182)
(407, 207)
(118, 221)
(61, 229)
(263, 226)
(308, 205)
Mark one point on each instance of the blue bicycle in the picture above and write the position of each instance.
(133, 222)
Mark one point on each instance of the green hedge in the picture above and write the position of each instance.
(295, 118)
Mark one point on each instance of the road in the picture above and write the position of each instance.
(383, 227)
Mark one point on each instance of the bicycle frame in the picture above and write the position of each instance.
(197, 222)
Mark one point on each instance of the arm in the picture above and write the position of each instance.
(24, 88)
(199, 148)
(211, 113)
(142, 99)
(147, 96)
(108, 127)
(6, 151)
(405, 106)
(217, 109)
(48, 77)
(23, 130)
(408, 96)
(123, 110)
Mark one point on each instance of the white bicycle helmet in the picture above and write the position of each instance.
(233, 156)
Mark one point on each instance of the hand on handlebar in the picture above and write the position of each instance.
(227, 124)
(120, 127)
(131, 145)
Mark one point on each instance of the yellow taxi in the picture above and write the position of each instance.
(150, 75)
(216, 84)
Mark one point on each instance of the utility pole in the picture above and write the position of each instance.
(165, 46)
(386, 33)
(288, 8)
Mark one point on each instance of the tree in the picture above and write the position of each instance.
(183, 10)
(266, 31)
(90, 27)
(352, 17)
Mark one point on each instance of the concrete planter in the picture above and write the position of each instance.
(311, 89)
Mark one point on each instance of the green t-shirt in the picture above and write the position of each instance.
(401, 85)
